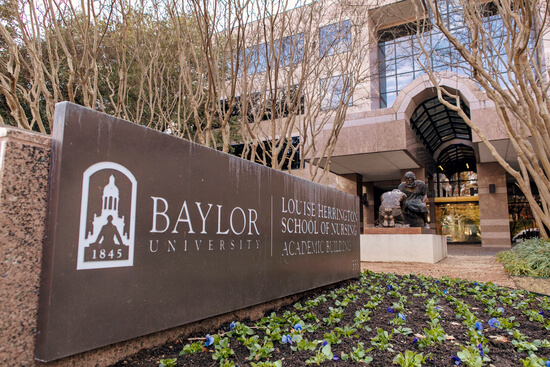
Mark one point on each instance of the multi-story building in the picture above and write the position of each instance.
(394, 121)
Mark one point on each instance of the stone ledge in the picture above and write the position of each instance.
(399, 230)
(422, 248)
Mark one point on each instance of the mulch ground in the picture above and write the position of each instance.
(482, 299)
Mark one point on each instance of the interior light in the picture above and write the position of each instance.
(441, 168)
(467, 166)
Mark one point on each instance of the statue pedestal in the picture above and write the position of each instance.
(403, 244)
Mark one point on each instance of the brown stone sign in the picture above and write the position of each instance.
(147, 231)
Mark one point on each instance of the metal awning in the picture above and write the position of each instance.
(445, 134)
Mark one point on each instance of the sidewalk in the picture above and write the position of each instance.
(470, 262)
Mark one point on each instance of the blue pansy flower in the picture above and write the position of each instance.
(209, 340)
(437, 281)
(445, 291)
(286, 339)
(475, 283)
(324, 343)
(547, 363)
(391, 310)
(335, 357)
(493, 322)
(389, 287)
(501, 310)
(481, 352)
(541, 312)
(415, 340)
(456, 360)
(298, 327)
(232, 326)
(478, 325)
(402, 316)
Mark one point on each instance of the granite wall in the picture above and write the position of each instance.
(24, 172)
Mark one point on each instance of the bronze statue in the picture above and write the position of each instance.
(416, 211)
(391, 209)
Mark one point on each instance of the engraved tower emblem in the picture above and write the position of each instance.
(107, 217)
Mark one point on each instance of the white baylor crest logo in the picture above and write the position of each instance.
(107, 217)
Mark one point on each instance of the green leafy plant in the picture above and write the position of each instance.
(192, 348)
(335, 316)
(169, 362)
(382, 340)
(324, 353)
(533, 361)
(471, 356)
(260, 350)
(332, 338)
(267, 364)
(358, 354)
(301, 343)
(222, 350)
(346, 331)
(409, 359)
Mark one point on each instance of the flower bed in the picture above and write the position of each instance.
(380, 319)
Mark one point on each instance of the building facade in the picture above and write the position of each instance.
(395, 122)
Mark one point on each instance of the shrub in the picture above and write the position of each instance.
(529, 258)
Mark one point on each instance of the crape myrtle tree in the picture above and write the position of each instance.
(299, 69)
(258, 75)
(501, 51)
(105, 55)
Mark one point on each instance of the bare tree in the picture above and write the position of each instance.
(299, 72)
(276, 80)
(501, 52)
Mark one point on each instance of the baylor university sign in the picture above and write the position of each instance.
(147, 231)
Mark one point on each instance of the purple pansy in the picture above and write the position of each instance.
(456, 360)
(232, 326)
(335, 357)
(415, 340)
(391, 310)
(493, 322)
(324, 343)
(298, 327)
(402, 316)
(389, 287)
(209, 340)
(479, 325)
(480, 348)
(286, 339)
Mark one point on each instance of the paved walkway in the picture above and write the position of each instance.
(464, 261)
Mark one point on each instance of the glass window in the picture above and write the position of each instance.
(335, 91)
(399, 48)
(292, 50)
(256, 58)
(391, 84)
(334, 38)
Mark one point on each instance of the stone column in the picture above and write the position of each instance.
(493, 207)
(353, 185)
(24, 163)
(368, 210)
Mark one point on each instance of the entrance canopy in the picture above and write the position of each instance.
(445, 134)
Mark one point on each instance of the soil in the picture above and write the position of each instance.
(475, 268)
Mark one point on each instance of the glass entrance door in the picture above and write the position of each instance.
(459, 221)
